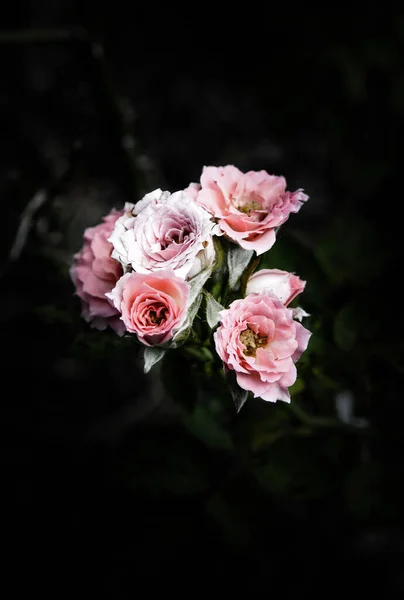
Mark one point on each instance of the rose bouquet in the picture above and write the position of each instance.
(182, 268)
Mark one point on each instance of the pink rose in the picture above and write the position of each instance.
(165, 231)
(249, 206)
(153, 305)
(94, 273)
(281, 283)
(260, 341)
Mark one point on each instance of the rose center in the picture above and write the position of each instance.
(252, 341)
(175, 236)
(249, 203)
(247, 206)
(157, 318)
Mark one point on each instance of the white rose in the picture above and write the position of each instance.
(165, 231)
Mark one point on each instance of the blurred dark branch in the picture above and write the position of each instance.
(34, 207)
(121, 114)
(117, 105)
(26, 221)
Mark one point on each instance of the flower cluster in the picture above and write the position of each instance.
(145, 270)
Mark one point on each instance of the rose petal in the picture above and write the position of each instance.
(263, 357)
(94, 273)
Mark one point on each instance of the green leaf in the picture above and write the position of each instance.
(219, 254)
(196, 284)
(248, 272)
(213, 308)
(183, 333)
(152, 356)
(237, 262)
(237, 393)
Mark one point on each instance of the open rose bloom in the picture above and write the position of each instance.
(249, 206)
(260, 341)
(165, 231)
(150, 269)
(153, 306)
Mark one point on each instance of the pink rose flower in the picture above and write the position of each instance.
(165, 231)
(281, 283)
(153, 305)
(249, 206)
(261, 342)
(94, 273)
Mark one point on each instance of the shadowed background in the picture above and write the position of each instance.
(111, 477)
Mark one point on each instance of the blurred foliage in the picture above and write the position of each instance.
(163, 461)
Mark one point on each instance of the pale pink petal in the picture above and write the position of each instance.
(192, 190)
(213, 201)
(283, 284)
(101, 308)
(252, 382)
(117, 325)
(275, 392)
(94, 274)
(249, 205)
(170, 232)
(261, 244)
(289, 377)
(154, 305)
(299, 313)
(263, 360)
(302, 335)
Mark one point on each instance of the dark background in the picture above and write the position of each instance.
(114, 480)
